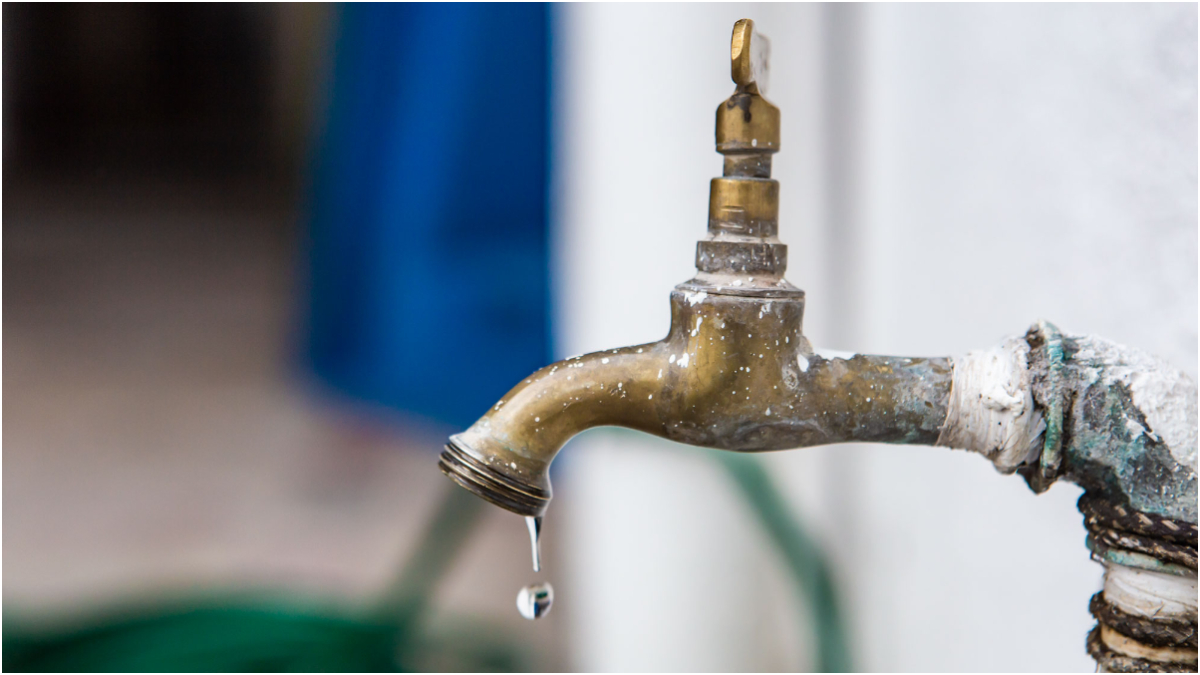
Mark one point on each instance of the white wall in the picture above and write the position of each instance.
(950, 174)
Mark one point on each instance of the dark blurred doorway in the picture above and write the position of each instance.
(172, 91)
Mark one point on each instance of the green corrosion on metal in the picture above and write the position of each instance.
(1051, 459)
(1107, 445)
(1109, 455)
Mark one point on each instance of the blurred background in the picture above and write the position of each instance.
(260, 260)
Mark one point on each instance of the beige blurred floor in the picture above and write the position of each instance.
(157, 438)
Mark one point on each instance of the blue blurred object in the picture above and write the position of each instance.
(429, 272)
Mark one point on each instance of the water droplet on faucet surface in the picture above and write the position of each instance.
(534, 523)
(534, 601)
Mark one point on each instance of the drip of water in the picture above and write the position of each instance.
(534, 601)
(534, 523)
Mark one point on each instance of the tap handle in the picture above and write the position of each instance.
(747, 123)
(750, 56)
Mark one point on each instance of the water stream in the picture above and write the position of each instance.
(534, 601)
(534, 523)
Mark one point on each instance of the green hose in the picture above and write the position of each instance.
(803, 557)
(240, 634)
(407, 597)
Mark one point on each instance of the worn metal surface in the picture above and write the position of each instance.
(1108, 446)
(735, 371)
(1139, 501)
(1120, 536)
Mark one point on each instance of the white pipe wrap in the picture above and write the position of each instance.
(1150, 594)
(991, 407)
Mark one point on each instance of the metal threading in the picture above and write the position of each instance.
(501, 490)
(1115, 527)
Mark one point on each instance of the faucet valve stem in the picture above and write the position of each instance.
(743, 204)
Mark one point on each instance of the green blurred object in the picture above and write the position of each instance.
(804, 559)
(236, 634)
(239, 635)
(215, 638)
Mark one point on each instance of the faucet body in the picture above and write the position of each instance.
(735, 372)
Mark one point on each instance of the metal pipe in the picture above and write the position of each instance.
(735, 372)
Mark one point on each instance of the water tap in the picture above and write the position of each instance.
(735, 372)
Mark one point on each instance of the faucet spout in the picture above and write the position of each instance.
(505, 456)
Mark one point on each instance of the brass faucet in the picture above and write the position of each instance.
(735, 372)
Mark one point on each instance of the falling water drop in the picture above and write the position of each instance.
(534, 601)
(534, 523)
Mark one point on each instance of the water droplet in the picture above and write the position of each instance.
(534, 601)
(534, 523)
